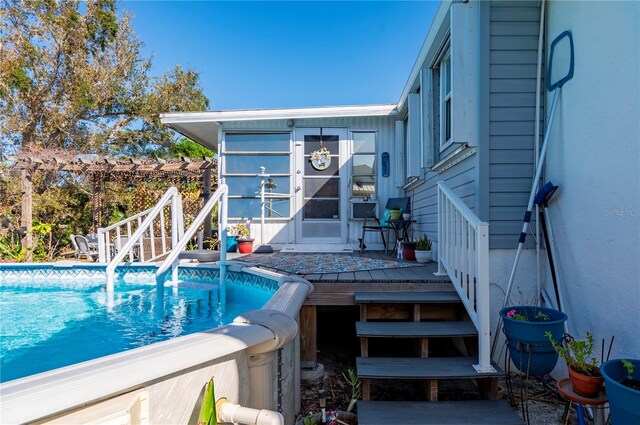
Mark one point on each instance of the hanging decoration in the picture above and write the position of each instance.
(321, 158)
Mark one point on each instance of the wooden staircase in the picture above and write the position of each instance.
(426, 317)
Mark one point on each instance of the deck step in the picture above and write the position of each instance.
(415, 329)
(406, 297)
(473, 412)
(420, 368)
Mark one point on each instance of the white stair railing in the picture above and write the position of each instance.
(463, 253)
(145, 232)
(220, 195)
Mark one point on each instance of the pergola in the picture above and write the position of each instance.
(102, 169)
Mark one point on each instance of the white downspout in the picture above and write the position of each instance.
(536, 150)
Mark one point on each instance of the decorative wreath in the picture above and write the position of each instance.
(321, 158)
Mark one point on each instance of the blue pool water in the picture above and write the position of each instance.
(49, 324)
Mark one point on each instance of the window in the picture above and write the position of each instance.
(363, 165)
(244, 154)
(444, 101)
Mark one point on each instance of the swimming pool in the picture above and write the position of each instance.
(55, 316)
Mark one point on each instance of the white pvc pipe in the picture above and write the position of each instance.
(231, 412)
(263, 176)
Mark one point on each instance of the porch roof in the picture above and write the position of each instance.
(203, 126)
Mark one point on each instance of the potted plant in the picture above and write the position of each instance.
(525, 328)
(395, 212)
(583, 369)
(622, 382)
(423, 249)
(245, 243)
(409, 250)
(232, 239)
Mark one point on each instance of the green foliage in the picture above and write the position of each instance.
(423, 243)
(187, 148)
(309, 420)
(629, 367)
(72, 76)
(207, 414)
(239, 230)
(356, 391)
(577, 353)
(11, 249)
(528, 314)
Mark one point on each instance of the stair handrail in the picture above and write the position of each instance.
(172, 195)
(221, 194)
(463, 253)
(103, 239)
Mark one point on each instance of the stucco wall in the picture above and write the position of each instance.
(594, 155)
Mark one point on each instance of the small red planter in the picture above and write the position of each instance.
(245, 246)
(409, 251)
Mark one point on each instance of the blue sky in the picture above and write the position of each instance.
(287, 54)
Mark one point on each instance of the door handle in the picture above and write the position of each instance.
(298, 189)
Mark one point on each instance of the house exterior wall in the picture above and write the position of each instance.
(283, 231)
(594, 156)
(494, 182)
(513, 43)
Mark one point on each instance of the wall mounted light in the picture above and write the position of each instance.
(290, 123)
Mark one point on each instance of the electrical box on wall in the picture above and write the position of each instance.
(386, 164)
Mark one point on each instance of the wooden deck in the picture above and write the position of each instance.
(339, 288)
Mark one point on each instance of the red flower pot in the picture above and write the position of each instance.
(245, 246)
(409, 251)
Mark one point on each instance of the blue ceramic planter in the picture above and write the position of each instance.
(232, 243)
(529, 347)
(624, 402)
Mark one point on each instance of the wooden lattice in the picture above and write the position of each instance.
(103, 172)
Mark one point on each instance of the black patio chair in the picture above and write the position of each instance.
(381, 224)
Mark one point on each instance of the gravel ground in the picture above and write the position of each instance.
(338, 348)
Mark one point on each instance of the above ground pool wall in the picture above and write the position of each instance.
(161, 383)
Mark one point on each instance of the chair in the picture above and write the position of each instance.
(83, 248)
(121, 241)
(382, 224)
(76, 250)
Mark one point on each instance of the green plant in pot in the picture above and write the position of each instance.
(395, 212)
(524, 327)
(423, 249)
(245, 243)
(583, 368)
(622, 380)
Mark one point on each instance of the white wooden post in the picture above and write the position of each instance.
(483, 300)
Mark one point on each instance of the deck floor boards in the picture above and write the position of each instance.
(338, 288)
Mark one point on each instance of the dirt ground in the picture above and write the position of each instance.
(338, 348)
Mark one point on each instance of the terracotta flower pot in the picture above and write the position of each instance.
(245, 246)
(586, 385)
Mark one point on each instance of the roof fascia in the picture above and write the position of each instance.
(275, 114)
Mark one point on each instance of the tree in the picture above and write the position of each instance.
(189, 149)
(72, 76)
